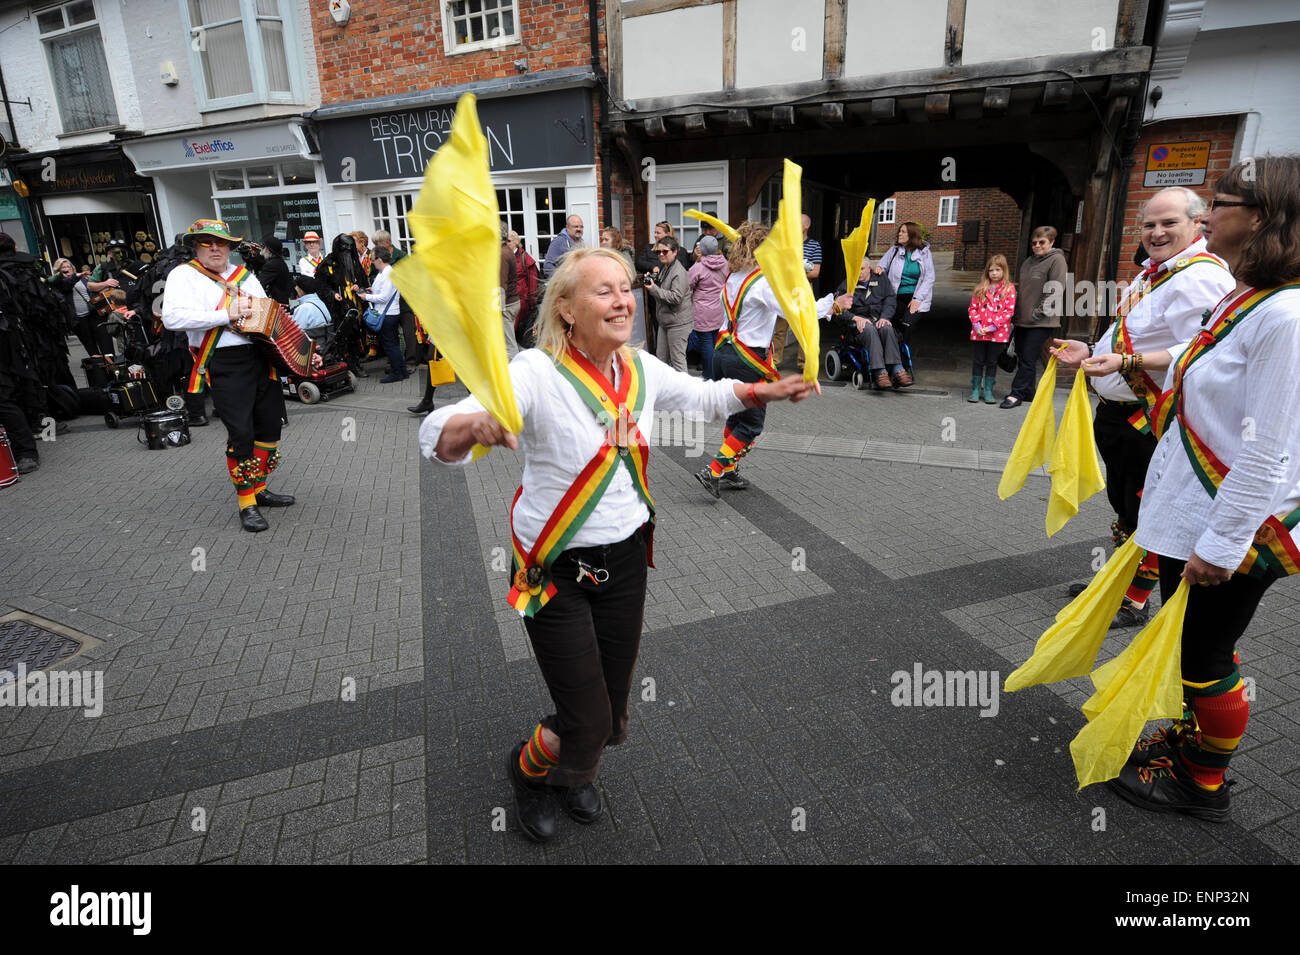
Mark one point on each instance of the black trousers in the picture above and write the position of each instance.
(984, 358)
(14, 421)
(747, 424)
(1126, 452)
(1029, 348)
(247, 398)
(411, 345)
(586, 641)
(1215, 620)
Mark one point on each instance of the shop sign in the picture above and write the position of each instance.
(523, 132)
(204, 146)
(1177, 164)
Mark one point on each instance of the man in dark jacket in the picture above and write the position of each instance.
(872, 310)
(274, 273)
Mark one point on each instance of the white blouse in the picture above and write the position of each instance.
(760, 310)
(1243, 399)
(1167, 318)
(561, 435)
(192, 302)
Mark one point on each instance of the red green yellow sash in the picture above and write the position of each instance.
(1121, 342)
(728, 332)
(203, 354)
(315, 263)
(1274, 553)
(617, 410)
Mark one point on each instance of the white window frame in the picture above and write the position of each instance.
(950, 204)
(68, 30)
(395, 223)
(888, 212)
(493, 43)
(261, 93)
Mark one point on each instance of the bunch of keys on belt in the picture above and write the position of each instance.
(597, 575)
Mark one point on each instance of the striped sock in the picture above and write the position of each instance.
(535, 759)
(1144, 581)
(732, 448)
(1222, 712)
(268, 456)
(244, 475)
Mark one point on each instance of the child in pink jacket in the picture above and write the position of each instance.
(991, 309)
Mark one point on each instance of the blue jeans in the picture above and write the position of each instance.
(388, 342)
(704, 342)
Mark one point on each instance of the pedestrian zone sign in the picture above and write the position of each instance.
(1177, 164)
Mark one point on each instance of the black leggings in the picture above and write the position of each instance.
(1215, 620)
(985, 358)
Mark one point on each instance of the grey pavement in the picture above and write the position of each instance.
(346, 686)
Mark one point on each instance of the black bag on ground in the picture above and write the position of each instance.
(1007, 360)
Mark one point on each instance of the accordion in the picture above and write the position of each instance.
(271, 326)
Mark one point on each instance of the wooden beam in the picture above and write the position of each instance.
(832, 114)
(654, 126)
(955, 34)
(695, 123)
(937, 106)
(996, 99)
(645, 8)
(1086, 67)
(1058, 93)
(740, 119)
(782, 115)
(834, 39)
(614, 48)
(1131, 22)
(729, 45)
(883, 110)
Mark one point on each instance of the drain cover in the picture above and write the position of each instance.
(22, 641)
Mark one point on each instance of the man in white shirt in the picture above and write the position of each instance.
(1161, 310)
(308, 264)
(209, 298)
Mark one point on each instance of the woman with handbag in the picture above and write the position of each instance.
(1037, 319)
(384, 320)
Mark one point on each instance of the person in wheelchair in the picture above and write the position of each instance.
(872, 314)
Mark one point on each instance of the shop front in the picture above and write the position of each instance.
(540, 145)
(83, 199)
(262, 179)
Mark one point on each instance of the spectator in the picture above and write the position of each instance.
(385, 295)
(611, 238)
(527, 282)
(724, 244)
(647, 264)
(671, 291)
(509, 292)
(991, 309)
(910, 267)
(707, 278)
(872, 309)
(412, 349)
(1037, 316)
(274, 274)
(565, 241)
(76, 296)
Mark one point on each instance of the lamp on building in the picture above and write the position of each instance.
(341, 11)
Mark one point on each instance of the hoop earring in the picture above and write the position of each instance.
(568, 330)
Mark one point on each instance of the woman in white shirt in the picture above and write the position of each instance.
(582, 521)
(1223, 487)
(383, 294)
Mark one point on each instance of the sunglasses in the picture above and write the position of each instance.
(209, 243)
(663, 252)
(1227, 204)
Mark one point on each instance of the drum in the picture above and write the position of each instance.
(165, 429)
(8, 469)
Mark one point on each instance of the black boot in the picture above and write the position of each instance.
(251, 519)
(426, 403)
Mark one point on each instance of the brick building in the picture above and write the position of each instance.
(947, 214)
(390, 79)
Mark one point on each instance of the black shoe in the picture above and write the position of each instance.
(1011, 401)
(251, 519)
(710, 481)
(271, 499)
(27, 465)
(198, 421)
(1164, 785)
(1129, 615)
(390, 378)
(582, 803)
(534, 801)
(421, 408)
(1162, 744)
(733, 479)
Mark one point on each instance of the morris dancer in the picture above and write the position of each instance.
(310, 262)
(1161, 310)
(582, 522)
(245, 390)
(741, 353)
(1222, 498)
